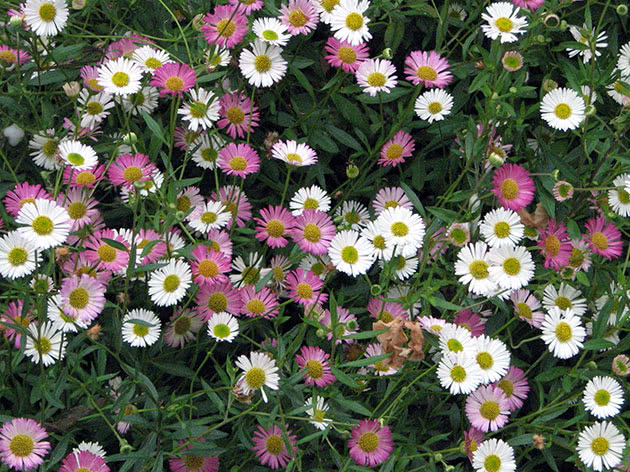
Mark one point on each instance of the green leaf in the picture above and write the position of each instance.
(116, 244)
(299, 75)
(344, 378)
(155, 128)
(365, 334)
(354, 406)
(344, 138)
(366, 361)
(411, 195)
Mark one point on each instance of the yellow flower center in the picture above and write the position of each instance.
(489, 410)
(238, 163)
(183, 203)
(354, 21)
(376, 79)
(512, 266)
(368, 442)
(94, 108)
(623, 197)
(426, 73)
(311, 204)
(297, 18)
(552, 245)
(193, 462)
(504, 24)
(94, 85)
(255, 378)
(226, 28)
(315, 369)
(312, 233)
(208, 217)
(507, 386)
(399, 229)
(563, 332)
(77, 210)
(492, 463)
(262, 63)
(600, 446)
(256, 306)
(379, 242)
(174, 83)
(79, 298)
(435, 108)
(120, 79)
(275, 228)
(217, 302)
(502, 229)
(274, 445)
(153, 63)
(182, 325)
(8, 56)
(198, 109)
(563, 303)
(293, 157)
(458, 374)
(208, 268)
(394, 151)
(485, 360)
(140, 330)
(524, 310)
(17, 256)
(350, 255)
(600, 241)
(562, 111)
(171, 283)
(47, 12)
(304, 290)
(479, 270)
(44, 346)
(250, 275)
(85, 178)
(106, 253)
(385, 316)
(602, 397)
(347, 55)
(42, 225)
(328, 5)
(21, 445)
(235, 115)
(509, 189)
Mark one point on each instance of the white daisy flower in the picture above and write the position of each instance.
(350, 253)
(60, 320)
(149, 186)
(217, 57)
(143, 333)
(120, 77)
(250, 272)
(319, 265)
(47, 224)
(263, 65)
(404, 267)
(318, 412)
(434, 105)
(601, 445)
(94, 107)
(502, 227)
(309, 198)
(223, 327)
(403, 230)
(149, 58)
(503, 22)
(494, 455)
(589, 96)
(168, 285)
(511, 267)
(353, 214)
(459, 373)
(45, 343)
(259, 370)
(472, 267)
(271, 30)
(92, 447)
(46, 17)
(623, 63)
(212, 215)
(44, 148)
(585, 36)
(145, 99)
(375, 234)
(564, 298)
(202, 111)
(294, 153)
(77, 155)
(207, 150)
(454, 339)
(563, 333)
(493, 358)
(17, 255)
(603, 397)
(325, 9)
(619, 92)
(376, 75)
(563, 109)
(619, 198)
(349, 23)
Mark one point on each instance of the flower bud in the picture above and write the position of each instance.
(555, 174)
(590, 110)
(551, 21)
(376, 290)
(591, 365)
(16, 21)
(564, 25)
(352, 325)
(549, 84)
(622, 9)
(513, 89)
(438, 457)
(540, 38)
(78, 4)
(198, 22)
(387, 53)
(180, 215)
(495, 159)
(352, 171)
(72, 89)
(125, 447)
(320, 333)
(130, 139)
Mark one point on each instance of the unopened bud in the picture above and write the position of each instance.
(591, 365)
(555, 174)
(198, 22)
(552, 21)
(541, 38)
(72, 89)
(564, 25)
(78, 4)
(549, 84)
(320, 333)
(130, 139)
(495, 159)
(180, 215)
(449, 468)
(352, 325)
(590, 110)
(125, 447)
(513, 89)
(376, 290)
(438, 457)
(494, 96)
(387, 53)
(622, 9)
(16, 21)
(352, 171)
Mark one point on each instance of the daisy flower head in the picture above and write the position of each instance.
(263, 66)
(621, 365)
(376, 75)
(22, 445)
(217, 298)
(325, 8)
(271, 30)
(83, 460)
(318, 412)
(494, 455)
(454, 339)
(586, 36)
(472, 438)
(385, 311)
(22, 194)
(144, 100)
(274, 226)
(511, 267)
(47, 224)
(226, 27)
(428, 68)
(564, 298)
(120, 76)
(375, 235)
(619, 198)
(487, 408)
(193, 462)
(206, 150)
(65, 322)
(390, 197)
(493, 358)
(345, 55)
(17, 255)
(600, 446)
(623, 62)
(555, 245)
(45, 343)
(563, 109)
(94, 108)
(513, 187)
(223, 327)
(211, 215)
(46, 17)
(259, 370)
(314, 361)
(603, 397)
(563, 333)
(603, 238)
(402, 229)
(77, 155)
(396, 149)
(354, 215)
(527, 307)
(238, 114)
(313, 231)
(348, 21)
(82, 298)
(201, 111)
(309, 198)
(262, 303)
(149, 58)
(370, 444)
(103, 255)
(15, 315)
(270, 447)
(434, 105)
(503, 22)
(209, 266)
(93, 447)
(248, 6)
(9, 57)
(174, 79)
(126, 170)
(44, 147)
(350, 253)
(472, 267)
(501, 227)
(515, 387)
(168, 285)
(238, 159)
(183, 327)
(562, 190)
(299, 17)
(512, 61)
(294, 153)
(141, 328)
(471, 321)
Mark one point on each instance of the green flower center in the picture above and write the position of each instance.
(602, 397)
(17, 256)
(153, 63)
(76, 159)
(182, 325)
(198, 109)
(50, 148)
(502, 229)
(217, 302)
(524, 310)
(458, 235)
(140, 330)
(43, 346)
(270, 35)
(94, 108)
(623, 196)
(42, 225)
(458, 374)
(311, 204)
(208, 217)
(507, 386)
(512, 62)
(435, 108)
(379, 242)
(492, 463)
(274, 445)
(600, 445)
(485, 360)
(454, 345)
(221, 331)
(563, 303)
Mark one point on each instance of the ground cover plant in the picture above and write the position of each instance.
(314, 235)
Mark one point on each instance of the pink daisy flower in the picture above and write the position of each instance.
(82, 298)
(10, 56)
(527, 307)
(300, 17)
(238, 114)
(530, 4)
(87, 178)
(22, 194)
(189, 198)
(471, 321)
(270, 448)
(236, 202)
(79, 264)
(385, 311)
(472, 438)
(126, 170)
(220, 241)
(315, 362)
(376, 75)
(83, 461)
(304, 287)
(193, 463)
(218, 298)
(274, 225)
(390, 197)
(238, 159)
(148, 251)
(313, 232)
(209, 266)
(182, 328)
(225, 27)
(580, 255)
(14, 316)
(429, 68)
(487, 408)
(345, 55)
(126, 46)
(248, 6)
(603, 238)
(396, 149)
(104, 256)
(263, 303)
(22, 445)
(515, 387)
(346, 324)
(80, 207)
(185, 138)
(555, 245)
(513, 187)
(371, 443)
(89, 74)
(174, 79)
